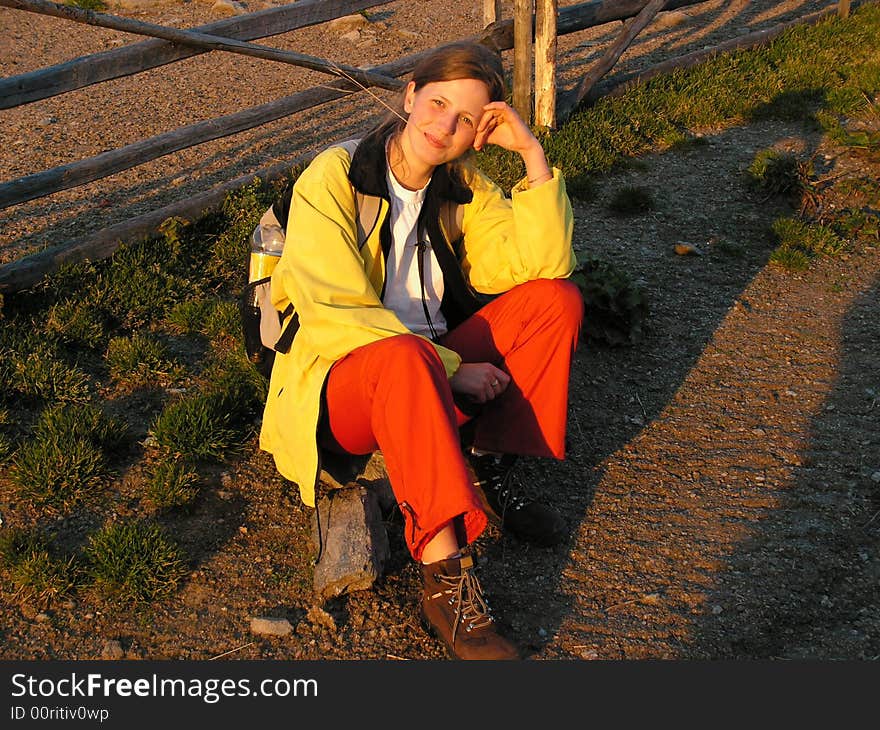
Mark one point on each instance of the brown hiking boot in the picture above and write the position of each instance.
(454, 609)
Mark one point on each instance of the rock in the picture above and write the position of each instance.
(228, 7)
(42, 617)
(350, 540)
(319, 617)
(670, 19)
(348, 23)
(270, 626)
(685, 249)
(112, 649)
(875, 477)
(352, 36)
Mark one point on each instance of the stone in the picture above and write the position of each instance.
(670, 19)
(353, 36)
(267, 626)
(348, 23)
(228, 7)
(112, 649)
(350, 541)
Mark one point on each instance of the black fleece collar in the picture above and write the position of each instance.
(369, 166)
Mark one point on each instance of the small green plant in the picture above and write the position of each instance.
(32, 569)
(57, 474)
(81, 420)
(773, 173)
(615, 309)
(581, 187)
(799, 242)
(171, 484)
(200, 426)
(133, 562)
(223, 322)
(138, 360)
(42, 375)
(67, 457)
(631, 200)
(77, 322)
(189, 317)
(859, 224)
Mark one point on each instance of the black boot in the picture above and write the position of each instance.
(454, 609)
(530, 521)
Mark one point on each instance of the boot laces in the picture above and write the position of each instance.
(497, 478)
(466, 595)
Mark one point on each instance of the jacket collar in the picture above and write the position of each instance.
(369, 166)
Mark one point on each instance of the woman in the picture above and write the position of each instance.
(397, 346)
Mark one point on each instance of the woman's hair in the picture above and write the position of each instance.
(458, 60)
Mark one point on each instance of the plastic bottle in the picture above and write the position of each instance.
(267, 242)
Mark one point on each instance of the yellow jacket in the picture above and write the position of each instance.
(335, 286)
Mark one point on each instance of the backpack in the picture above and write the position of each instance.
(263, 326)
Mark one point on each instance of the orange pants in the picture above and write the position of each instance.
(394, 395)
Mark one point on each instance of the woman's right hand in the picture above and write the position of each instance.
(482, 381)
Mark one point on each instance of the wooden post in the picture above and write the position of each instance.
(631, 28)
(491, 12)
(545, 63)
(843, 8)
(522, 58)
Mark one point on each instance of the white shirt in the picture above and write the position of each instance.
(403, 292)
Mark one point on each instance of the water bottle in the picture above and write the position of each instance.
(260, 320)
(267, 241)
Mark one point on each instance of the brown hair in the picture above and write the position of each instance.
(458, 60)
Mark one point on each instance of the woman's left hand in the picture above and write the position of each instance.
(501, 125)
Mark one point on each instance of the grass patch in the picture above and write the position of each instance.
(67, 457)
(133, 562)
(800, 242)
(631, 200)
(138, 360)
(171, 484)
(200, 426)
(36, 574)
(43, 375)
(773, 173)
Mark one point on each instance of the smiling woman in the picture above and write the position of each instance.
(412, 332)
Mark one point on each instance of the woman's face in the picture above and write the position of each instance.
(443, 119)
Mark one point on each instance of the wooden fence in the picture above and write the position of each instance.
(535, 25)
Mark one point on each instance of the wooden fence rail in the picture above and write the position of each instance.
(143, 56)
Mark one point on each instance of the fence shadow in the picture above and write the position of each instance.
(805, 584)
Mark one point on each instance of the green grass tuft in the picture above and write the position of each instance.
(800, 242)
(138, 360)
(133, 562)
(200, 426)
(631, 200)
(31, 568)
(773, 172)
(172, 484)
(41, 374)
(67, 457)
